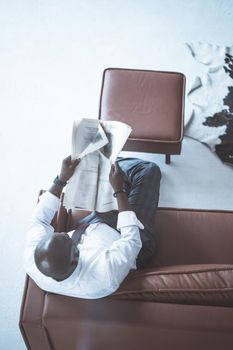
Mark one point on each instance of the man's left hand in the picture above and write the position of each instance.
(68, 168)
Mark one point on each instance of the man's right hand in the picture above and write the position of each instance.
(116, 177)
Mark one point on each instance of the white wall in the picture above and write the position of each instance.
(52, 54)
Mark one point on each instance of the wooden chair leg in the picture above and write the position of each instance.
(168, 159)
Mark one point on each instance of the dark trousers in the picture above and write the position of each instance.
(142, 183)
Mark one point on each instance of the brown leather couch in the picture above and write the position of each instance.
(152, 102)
(183, 301)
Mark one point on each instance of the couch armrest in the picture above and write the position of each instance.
(31, 317)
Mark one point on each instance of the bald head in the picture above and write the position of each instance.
(56, 256)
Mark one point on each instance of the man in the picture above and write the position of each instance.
(112, 244)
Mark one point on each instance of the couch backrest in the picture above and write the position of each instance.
(187, 236)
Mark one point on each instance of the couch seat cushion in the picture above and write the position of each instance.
(185, 284)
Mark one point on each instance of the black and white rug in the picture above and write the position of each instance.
(211, 98)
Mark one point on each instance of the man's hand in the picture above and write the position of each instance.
(116, 177)
(68, 168)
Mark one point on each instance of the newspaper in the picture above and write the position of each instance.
(97, 143)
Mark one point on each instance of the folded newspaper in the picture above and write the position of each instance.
(97, 144)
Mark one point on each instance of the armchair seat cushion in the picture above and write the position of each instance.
(207, 284)
(152, 102)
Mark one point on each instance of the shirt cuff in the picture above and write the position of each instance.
(128, 218)
(49, 200)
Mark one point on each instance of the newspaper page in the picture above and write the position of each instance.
(97, 144)
(88, 136)
(117, 134)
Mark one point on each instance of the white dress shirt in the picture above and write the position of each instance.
(105, 259)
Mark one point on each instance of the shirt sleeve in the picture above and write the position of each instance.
(126, 218)
(40, 227)
(121, 256)
(46, 208)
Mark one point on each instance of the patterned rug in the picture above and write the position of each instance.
(211, 97)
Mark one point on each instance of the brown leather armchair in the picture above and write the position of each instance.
(152, 102)
(184, 300)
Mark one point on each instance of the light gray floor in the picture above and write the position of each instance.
(195, 179)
